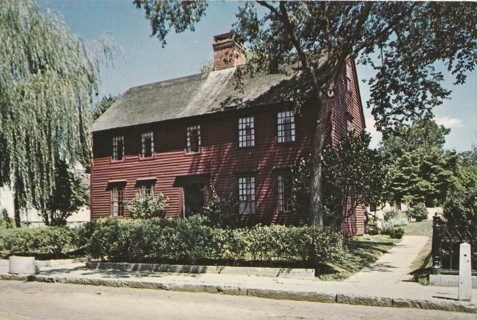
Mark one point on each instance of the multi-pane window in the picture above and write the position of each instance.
(284, 193)
(286, 126)
(193, 139)
(117, 201)
(247, 195)
(246, 128)
(147, 145)
(118, 148)
(146, 188)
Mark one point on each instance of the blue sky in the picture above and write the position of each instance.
(145, 61)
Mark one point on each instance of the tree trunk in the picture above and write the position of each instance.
(16, 209)
(318, 142)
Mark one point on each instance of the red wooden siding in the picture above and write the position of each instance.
(220, 158)
(348, 104)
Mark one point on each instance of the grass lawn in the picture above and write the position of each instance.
(365, 250)
(422, 264)
(362, 251)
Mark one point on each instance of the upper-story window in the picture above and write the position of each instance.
(118, 148)
(117, 201)
(286, 126)
(246, 188)
(349, 122)
(246, 130)
(193, 139)
(147, 144)
(349, 74)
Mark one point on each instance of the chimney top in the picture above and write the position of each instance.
(228, 53)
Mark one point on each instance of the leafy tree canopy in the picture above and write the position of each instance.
(67, 197)
(418, 168)
(102, 105)
(461, 204)
(48, 78)
(409, 38)
(353, 176)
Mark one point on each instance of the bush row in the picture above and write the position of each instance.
(192, 241)
(52, 242)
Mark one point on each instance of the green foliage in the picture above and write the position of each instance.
(51, 242)
(395, 218)
(103, 105)
(300, 184)
(418, 212)
(5, 221)
(461, 204)
(166, 15)
(147, 206)
(67, 197)
(393, 232)
(352, 176)
(220, 211)
(192, 240)
(409, 37)
(48, 78)
(418, 168)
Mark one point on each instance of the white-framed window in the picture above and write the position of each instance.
(286, 126)
(147, 144)
(146, 188)
(117, 201)
(246, 188)
(246, 132)
(118, 148)
(193, 139)
(284, 193)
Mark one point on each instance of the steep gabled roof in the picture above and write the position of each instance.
(195, 95)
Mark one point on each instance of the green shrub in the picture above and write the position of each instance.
(5, 220)
(51, 242)
(393, 232)
(418, 212)
(390, 215)
(147, 206)
(193, 240)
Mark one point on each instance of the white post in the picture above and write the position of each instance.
(22, 265)
(465, 273)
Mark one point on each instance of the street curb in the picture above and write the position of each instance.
(351, 299)
(291, 273)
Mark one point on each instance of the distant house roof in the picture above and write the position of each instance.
(195, 95)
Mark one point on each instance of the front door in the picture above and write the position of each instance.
(193, 199)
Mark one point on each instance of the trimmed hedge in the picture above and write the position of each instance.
(48, 241)
(192, 241)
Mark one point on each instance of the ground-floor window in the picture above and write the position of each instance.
(117, 201)
(146, 188)
(246, 188)
(284, 193)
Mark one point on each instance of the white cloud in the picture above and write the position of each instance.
(449, 122)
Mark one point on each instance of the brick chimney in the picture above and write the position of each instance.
(227, 52)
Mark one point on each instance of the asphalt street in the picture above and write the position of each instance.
(33, 300)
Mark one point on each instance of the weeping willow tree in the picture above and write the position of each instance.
(48, 78)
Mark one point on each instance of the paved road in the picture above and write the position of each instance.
(32, 300)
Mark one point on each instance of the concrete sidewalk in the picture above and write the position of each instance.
(385, 283)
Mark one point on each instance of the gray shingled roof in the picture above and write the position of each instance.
(192, 96)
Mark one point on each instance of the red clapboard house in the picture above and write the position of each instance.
(181, 135)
